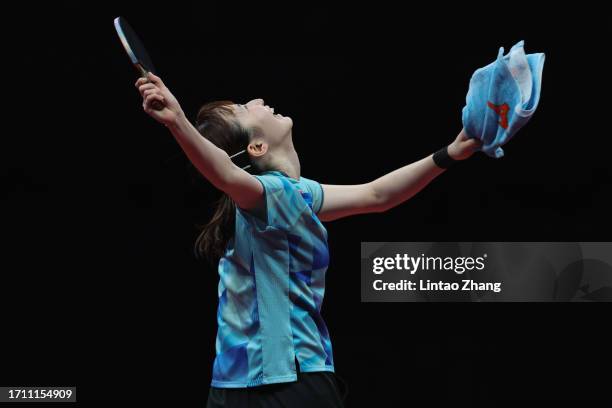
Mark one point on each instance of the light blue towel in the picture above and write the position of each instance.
(502, 97)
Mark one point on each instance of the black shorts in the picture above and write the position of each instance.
(322, 389)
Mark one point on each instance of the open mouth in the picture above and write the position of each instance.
(278, 115)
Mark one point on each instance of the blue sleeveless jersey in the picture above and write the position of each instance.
(271, 287)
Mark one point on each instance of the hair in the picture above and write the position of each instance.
(230, 136)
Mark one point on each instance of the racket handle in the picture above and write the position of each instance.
(157, 105)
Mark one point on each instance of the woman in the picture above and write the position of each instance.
(273, 348)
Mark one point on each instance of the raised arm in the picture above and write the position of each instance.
(212, 162)
(391, 189)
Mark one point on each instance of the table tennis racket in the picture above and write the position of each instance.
(136, 52)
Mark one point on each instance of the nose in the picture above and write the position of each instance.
(256, 102)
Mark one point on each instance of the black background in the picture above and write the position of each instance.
(100, 288)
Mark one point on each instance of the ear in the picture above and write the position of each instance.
(257, 148)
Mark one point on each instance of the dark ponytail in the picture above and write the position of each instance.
(214, 236)
(214, 123)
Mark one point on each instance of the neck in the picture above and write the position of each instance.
(290, 164)
(292, 169)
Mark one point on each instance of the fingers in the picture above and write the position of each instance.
(471, 142)
(150, 78)
(146, 87)
(477, 142)
(141, 81)
(474, 145)
(150, 91)
(155, 79)
(152, 97)
(462, 135)
(148, 100)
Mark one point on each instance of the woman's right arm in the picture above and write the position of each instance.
(212, 162)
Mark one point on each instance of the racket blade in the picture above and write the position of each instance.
(133, 46)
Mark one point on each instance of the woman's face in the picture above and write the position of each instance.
(272, 127)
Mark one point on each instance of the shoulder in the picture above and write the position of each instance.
(316, 193)
(272, 182)
(310, 184)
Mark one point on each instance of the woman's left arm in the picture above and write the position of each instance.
(391, 189)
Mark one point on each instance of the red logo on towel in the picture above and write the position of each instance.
(502, 111)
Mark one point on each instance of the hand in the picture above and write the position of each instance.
(463, 146)
(153, 89)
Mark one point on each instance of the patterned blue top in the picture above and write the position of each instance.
(271, 287)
